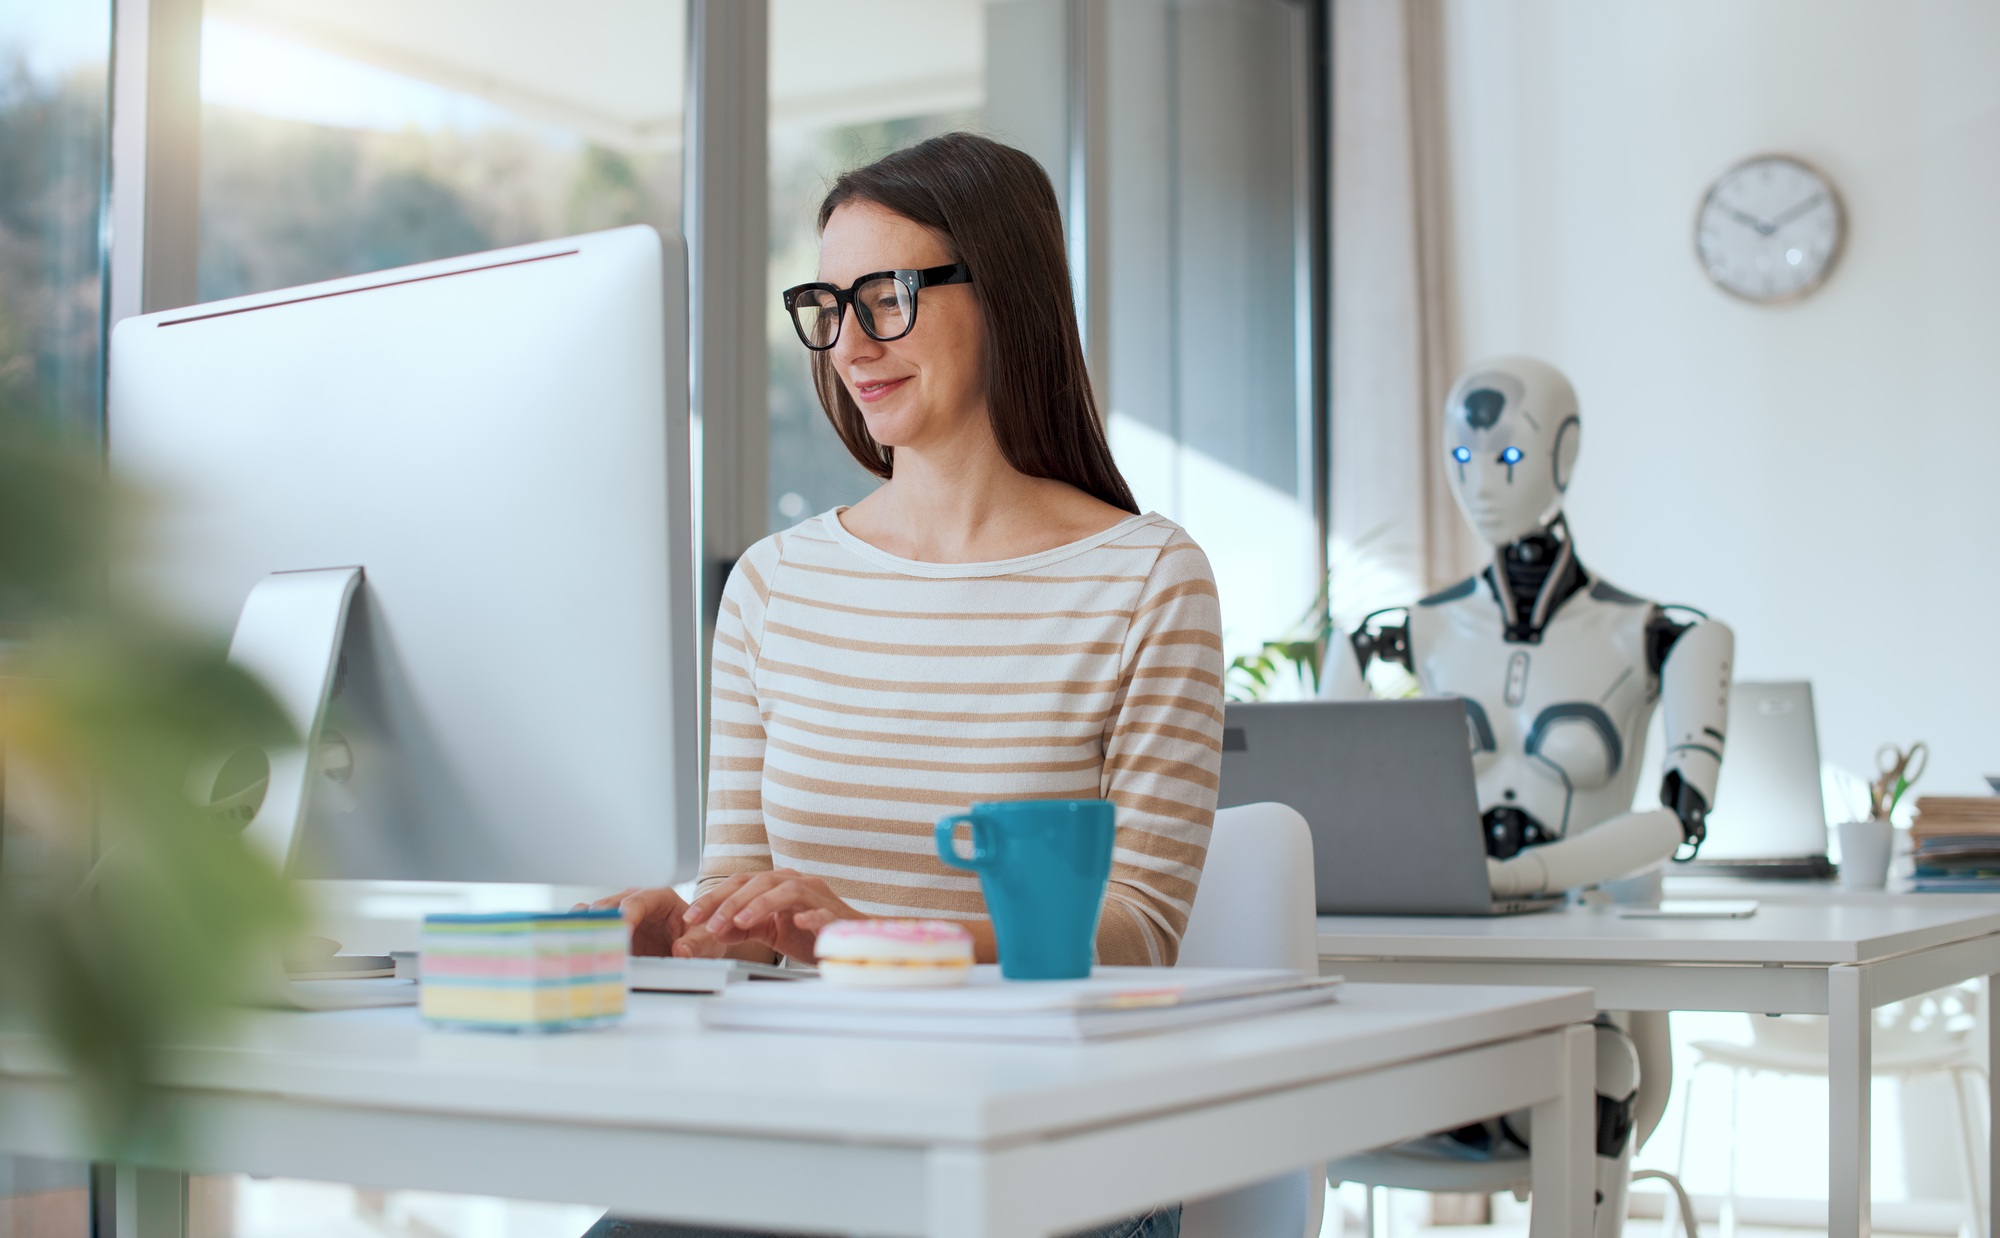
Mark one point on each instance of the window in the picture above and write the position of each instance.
(54, 108)
(849, 84)
(348, 138)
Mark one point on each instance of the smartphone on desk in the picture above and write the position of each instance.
(1693, 909)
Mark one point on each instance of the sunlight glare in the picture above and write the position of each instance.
(257, 72)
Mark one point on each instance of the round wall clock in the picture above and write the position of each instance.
(1769, 229)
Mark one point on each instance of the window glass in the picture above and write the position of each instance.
(1210, 410)
(54, 106)
(345, 138)
(54, 109)
(849, 84)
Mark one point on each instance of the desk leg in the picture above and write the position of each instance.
(1850, 1010)
(151, 1203)
(1992, 1108)
(1563, 1163)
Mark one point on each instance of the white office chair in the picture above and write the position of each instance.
(1255, 908)
(1923, 1036)
(1400, 1170)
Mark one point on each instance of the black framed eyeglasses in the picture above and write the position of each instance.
(885, 304)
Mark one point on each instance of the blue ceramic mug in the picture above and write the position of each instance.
(1044, 865)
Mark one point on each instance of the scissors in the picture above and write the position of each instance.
(1899, 768)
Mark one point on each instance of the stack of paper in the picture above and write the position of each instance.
(1114, 1001)
(1957, 842)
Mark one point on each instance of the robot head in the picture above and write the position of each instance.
(1510, 440)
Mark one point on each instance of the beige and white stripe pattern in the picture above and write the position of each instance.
(858, 697)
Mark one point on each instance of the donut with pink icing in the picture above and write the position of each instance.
(894, 953)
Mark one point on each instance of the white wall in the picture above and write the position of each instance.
(1826, 475)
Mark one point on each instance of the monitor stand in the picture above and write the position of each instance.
(289, 636)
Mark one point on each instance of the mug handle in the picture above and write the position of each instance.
(985, 849)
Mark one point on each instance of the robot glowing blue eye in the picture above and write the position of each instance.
(1511, 456)
(1461, 454)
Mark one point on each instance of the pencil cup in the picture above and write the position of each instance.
(1043, 865)
(1864, 853)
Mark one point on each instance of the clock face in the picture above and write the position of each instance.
(1769, 229)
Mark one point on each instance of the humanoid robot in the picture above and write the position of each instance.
(1560, 672)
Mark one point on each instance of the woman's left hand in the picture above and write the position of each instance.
(783, 909)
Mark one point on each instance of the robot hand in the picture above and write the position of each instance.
(1608, 851)
(1694, 690)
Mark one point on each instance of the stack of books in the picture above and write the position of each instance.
(1956, 843)
(1113, 1002)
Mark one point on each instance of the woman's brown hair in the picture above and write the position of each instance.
(995, 210)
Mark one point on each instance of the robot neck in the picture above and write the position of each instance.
(1533, 576)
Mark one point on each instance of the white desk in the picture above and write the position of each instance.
(1897, 893)
(1840, 959)
(952, 1140)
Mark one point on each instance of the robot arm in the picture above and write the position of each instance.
(1345, 677)
(1694, 687)
(1607, 851)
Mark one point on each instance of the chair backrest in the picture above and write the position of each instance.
(1254, 907)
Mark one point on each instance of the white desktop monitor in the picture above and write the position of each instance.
(500, 443)
(1767, 799)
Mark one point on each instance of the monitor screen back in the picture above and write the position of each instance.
(501, 443)
(1387, 789)
(1767, 800)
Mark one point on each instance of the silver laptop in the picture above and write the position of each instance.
(1386, 787)
(1769, 819)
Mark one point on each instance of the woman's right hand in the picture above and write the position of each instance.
(658, 919)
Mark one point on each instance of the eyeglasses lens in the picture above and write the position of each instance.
(885, 307)
(818, 315)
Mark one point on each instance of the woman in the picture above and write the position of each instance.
(995, 621)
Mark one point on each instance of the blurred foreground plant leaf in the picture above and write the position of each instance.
(129, 914)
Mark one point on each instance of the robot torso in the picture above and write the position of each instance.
(1558, 725)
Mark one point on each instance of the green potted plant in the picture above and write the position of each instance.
(129, 914)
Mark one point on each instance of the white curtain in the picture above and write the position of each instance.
(1396, 533)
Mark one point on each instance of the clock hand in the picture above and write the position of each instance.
(1749, 221)
(1788, 216)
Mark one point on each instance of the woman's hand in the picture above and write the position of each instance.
(658, 919)
(782, 909)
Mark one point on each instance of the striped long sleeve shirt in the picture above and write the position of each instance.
(857, 697)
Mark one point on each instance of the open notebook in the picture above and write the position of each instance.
(1114, 1001)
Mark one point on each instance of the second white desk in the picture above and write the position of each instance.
(1837, 959)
